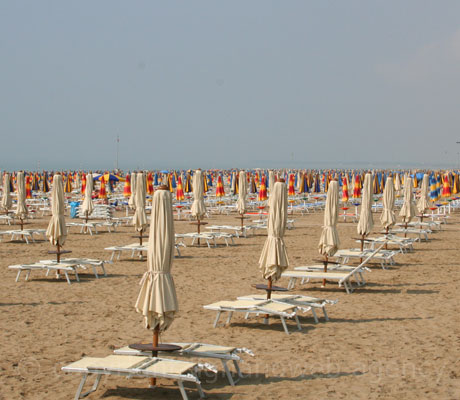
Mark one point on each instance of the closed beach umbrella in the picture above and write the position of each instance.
(397, 183)
(262, 196)
(21, 210)
(133, 191)
(274, 260)
(329, 241)
(157, 300)
(87, 206)
(243, 189)
(408, 210)
(57, 230)
(140, 218)
(366, 221)
(198, 207)
(424, 202)
(271, 180)
(6, 198)
(388, 218)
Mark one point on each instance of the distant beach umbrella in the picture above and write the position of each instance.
(271, 180)
(423, 202)
(87, 206)
(150, 184)
(329, 241)
(28, 188)
(57, 230)
(243, 189)
(345, 196)
(127, 186)
(21, 210)
(262, 196)
(198, 209)
(140, 218)
(179, 191)
(408, 210)
(220, 192)
(291, 190)
(397, 183)
(102, 190)
(446, 189)
(366, 221)
(388, 218)
(6, 197)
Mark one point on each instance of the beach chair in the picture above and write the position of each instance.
(202, 350)
(257, 307)
(136, 366)
(64, 268)
(343, 278)
(405, 244)
(421, 233)
(385, 257)
(82, 262)
(303, 303)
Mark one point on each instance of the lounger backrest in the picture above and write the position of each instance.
(360, 266)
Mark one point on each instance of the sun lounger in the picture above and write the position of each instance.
(133, 248)
(136, 366)
(25, 234)
(265, 307)
(6, 218)
(64, 268)
(405, 244)
(384, 256)
(93, 263)
(201, 350)
(421, 233)
(90, 226)
(343, 278)
(303, 303)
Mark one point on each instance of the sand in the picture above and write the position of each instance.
(396, 338)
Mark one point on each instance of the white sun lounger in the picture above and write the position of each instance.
(384, 256)
(136, 366)
(202, 350)
(25, 234)
(64, 268)
(89, 226)
(421, 233)
(303, 303)
(265, 307)
(93, 263)
(134, 248)
(343, 278)
(405, 244)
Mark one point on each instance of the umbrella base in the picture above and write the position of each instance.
(154, 349)
(262, 286)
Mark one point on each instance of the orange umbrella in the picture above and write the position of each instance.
(446, 191)
(102, 191)
(357, 187)
(150, 183)
(220, 192)
(68, 184)
(263, 190)
(345, 189)
(127, 187)
(291, 191)
(83, 184)
(179, 191)
(28, 188)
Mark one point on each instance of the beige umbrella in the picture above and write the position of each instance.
(271, 180)
(243, 190)
(423, 202)
(388, 218)
(274, 260)
(57, 230)
(87, 206)
(140, 217)
(366, 221)
(408, 210)
(198, 209)
(329, 241)
(397, 183)
(21, 210)
(6, 198)
(157, 300)
(133, 191)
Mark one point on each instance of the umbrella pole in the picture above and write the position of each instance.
(156, 332)
(269, 296)
(405, 230)
(386, 233)
(325, 269)
(362, 247)
(199, 230)
(140, 237)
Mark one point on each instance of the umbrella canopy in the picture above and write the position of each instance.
(157, 300)
(87, 206)
(21, 210)
(366, 221)
(388, 218)
(140, 218)
(243, 190)
(345, 196)
(179, 191)
(127, 187)
(408, 210)
(397, 183)
(57, 230)
(262, 196)
(329, 241)
(274, 260)
(424, 202)
(198, 207)
(6, 198)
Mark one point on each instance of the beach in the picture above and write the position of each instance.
(396, 337)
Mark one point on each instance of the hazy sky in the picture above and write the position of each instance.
(229, 83)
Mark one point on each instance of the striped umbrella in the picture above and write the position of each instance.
(179, 191)
(262, 196)
(127, 186)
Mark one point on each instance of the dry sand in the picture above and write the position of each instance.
(396, 338)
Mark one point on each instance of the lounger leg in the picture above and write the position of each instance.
(237, 368)
(182, 390)
(315, 317)
(326, 317)
(18, 275)
(94, 387)
(200, 390)
(291, 283)
(230, 314)
(299, 327)
(103, 269)
(80, 387)
(284, 325)
(217, 318)
(67, 277)
(228, 373)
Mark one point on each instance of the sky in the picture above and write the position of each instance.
(222, 84)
